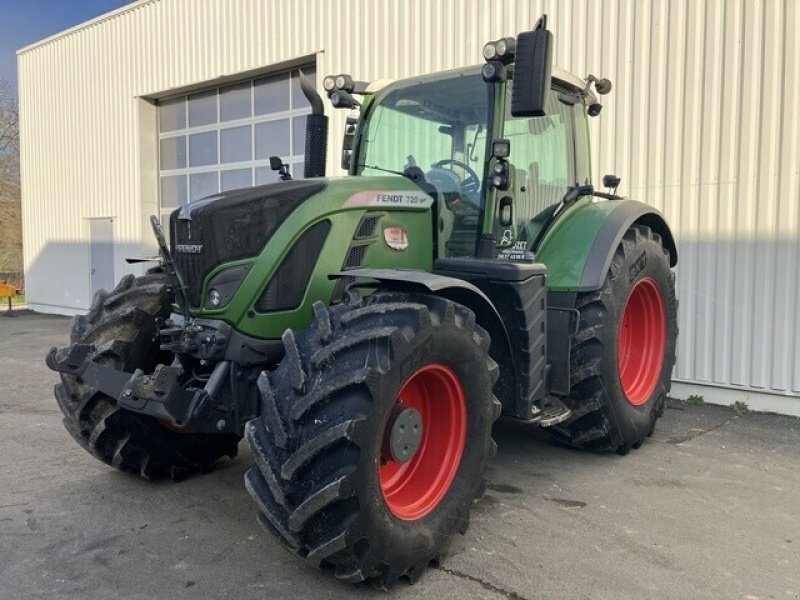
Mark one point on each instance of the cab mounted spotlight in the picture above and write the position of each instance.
(345, 83)
(329, 83)
(342, 99)
(501, 50)
(342, 82)
(493, 71)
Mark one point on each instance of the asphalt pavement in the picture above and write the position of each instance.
(709, 507)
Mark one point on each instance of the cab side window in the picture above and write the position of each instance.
(542, 163)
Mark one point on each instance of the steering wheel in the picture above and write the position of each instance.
(472, 184)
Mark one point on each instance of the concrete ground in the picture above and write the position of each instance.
(708, 508)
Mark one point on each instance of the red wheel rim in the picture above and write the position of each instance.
(642, 335)
(413, 489)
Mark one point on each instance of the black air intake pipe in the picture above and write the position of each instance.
(316, 132)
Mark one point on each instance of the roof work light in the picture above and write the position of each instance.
(502, 50)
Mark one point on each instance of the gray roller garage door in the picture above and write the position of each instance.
(221, 138)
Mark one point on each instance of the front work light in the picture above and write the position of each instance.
(501, 148)
(344, 82)
(341, 82)
(500, 175)
(493, 71)
(342, 99)
(502, 50)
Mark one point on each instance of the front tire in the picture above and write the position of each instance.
(624, 351)
(121, 326)
(324, 480)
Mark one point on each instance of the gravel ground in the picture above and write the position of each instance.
(708, 508)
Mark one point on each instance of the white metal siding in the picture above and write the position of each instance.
(702, 123)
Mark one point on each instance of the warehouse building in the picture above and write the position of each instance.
(164, 101)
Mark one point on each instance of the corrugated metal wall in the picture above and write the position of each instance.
(702, 123)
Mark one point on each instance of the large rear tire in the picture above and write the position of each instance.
(325, 479)
(122, 328)
(624, 351)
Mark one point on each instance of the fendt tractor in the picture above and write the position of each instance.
(363, 333)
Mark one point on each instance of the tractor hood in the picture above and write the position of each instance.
(237, 225)
(231, 226)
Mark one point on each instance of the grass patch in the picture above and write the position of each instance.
(695, 400)
(740, 408)
(15, 302)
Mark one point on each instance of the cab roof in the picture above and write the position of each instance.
(562, 76)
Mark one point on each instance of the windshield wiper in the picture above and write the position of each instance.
(377, 168)
(414, 173)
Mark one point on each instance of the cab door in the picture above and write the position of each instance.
(542, 166)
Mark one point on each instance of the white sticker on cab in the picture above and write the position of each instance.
(403, 198)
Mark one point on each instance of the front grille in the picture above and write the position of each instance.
(230, 226)
(192, 267)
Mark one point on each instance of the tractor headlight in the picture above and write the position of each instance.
(329, 83)
(489, 51)
(214, 298)
(224, 285)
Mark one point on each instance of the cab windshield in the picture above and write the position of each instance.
(440, 124)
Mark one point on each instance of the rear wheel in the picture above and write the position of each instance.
(624, 351)
(122, 328)
(374, 435)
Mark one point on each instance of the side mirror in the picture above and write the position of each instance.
(611, 181)
(276, 164)
(348, 140)
(532, 71)
(505, 216)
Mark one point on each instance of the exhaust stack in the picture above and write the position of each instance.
(316, 132)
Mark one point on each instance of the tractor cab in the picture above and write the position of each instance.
(499, 173)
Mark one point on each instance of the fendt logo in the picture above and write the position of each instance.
(189, 248)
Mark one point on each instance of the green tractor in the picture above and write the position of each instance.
(364, 333)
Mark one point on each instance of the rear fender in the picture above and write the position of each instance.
(579, 248)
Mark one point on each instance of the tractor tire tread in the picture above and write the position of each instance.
(120, 327)
(304, 486)
(591, 424)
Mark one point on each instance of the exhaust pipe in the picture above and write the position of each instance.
(316, 132)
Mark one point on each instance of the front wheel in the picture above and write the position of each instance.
(374, 435)
(122, 330)
(624, 351)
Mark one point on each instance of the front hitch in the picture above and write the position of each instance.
(160, 395)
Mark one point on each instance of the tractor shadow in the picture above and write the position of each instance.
(96, 527)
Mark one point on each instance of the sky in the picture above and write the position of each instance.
(23, 22)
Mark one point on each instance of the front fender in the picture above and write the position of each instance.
(579, 247)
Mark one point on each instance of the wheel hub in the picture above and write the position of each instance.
(423, 442)
(405, 433)
(642, 339)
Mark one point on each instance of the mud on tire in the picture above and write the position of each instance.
(317, 444)
(121, 326)
(603, 418)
